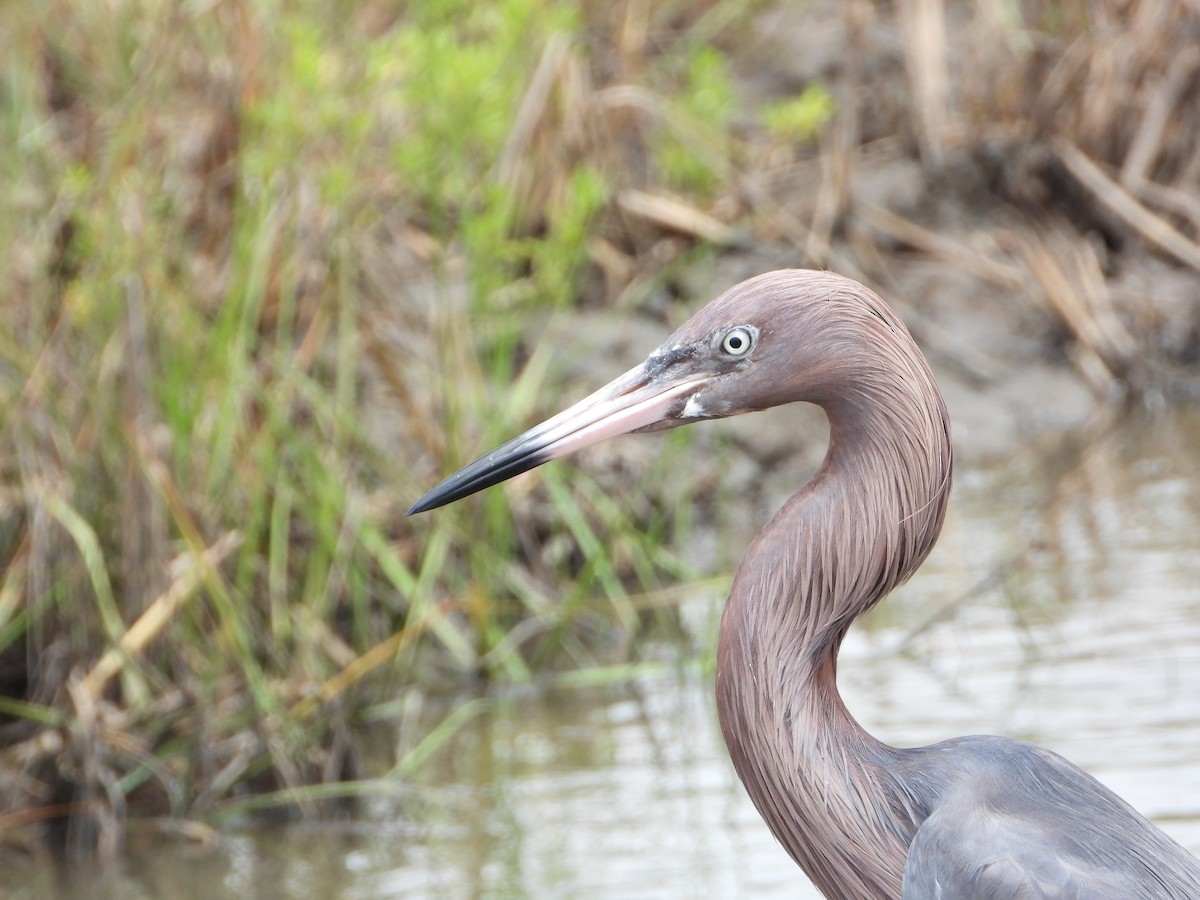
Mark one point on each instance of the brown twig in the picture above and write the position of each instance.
(1069, 274)
(1119, 201)
(1148, 139)
(947, 250)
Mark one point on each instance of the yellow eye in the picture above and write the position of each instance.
(737, 341)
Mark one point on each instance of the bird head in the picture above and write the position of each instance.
(772, 339)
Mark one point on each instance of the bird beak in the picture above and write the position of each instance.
(632, 402)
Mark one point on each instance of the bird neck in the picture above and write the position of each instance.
(865, 522)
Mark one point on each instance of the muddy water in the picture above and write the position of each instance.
(1062, 606)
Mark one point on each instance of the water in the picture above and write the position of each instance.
(1082, 632)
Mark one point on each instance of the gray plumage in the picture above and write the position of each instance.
(974, 817)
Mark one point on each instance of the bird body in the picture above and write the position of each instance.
(1010, 819)
(975, 817)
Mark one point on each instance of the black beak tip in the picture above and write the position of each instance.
(435, 498)
(483, 473)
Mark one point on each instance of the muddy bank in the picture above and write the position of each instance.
(1028, 201)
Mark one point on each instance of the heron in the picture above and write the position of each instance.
(969, 817)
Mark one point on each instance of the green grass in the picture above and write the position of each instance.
(269, 270)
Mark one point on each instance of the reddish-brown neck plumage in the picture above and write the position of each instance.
(863, 524)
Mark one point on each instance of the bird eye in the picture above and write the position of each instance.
(737, 341)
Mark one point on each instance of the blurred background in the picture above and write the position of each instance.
(270, 270)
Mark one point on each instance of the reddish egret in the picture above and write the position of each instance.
(971, 817)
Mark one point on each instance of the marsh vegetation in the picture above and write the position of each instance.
(268, 270)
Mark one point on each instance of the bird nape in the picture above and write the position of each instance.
(974, 817)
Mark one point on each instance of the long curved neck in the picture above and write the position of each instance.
(865, 522)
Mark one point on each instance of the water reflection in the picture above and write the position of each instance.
(1082, 632)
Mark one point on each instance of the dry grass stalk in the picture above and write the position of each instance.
(924, 27)
(1068, 271)
(156, 617)
(945, 249)
(1156, 119)
(1173, 201)
(674, 214)
(1118, 201)
(841, 144)
(533, 107)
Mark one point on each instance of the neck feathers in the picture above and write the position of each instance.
(864, 523)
